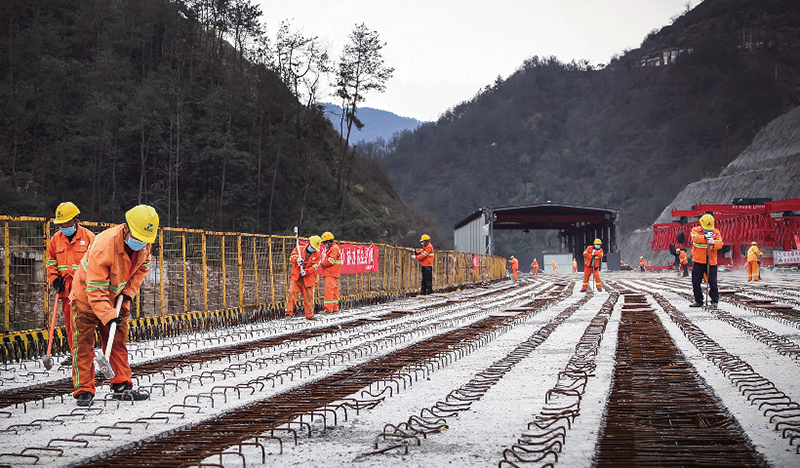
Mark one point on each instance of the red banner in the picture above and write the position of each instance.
(475, 263)
(358, 258)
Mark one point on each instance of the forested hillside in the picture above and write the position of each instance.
(630, 134)
(185, 105)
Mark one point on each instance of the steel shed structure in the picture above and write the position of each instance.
(578, 226)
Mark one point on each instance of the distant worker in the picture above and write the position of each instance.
(706, 241)
(753, 262)
(331, 266)
(641, 264)
(535, 267)
(425, 258)
(115, 266)
(592, 261)
(514, 266)
(683, 261)
(555, 268)
(574, 266)
(64, 253)
(305, 264)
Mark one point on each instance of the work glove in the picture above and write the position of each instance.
(117, 320)
(299, 261)
(58, 284)
(302, 272)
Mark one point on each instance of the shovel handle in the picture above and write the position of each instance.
(52, 325)
(113, 329)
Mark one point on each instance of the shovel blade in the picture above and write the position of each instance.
(102, 366)
(47, 362)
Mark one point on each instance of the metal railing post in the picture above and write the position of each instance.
(161, 267)
(185, 281)
(205, 275)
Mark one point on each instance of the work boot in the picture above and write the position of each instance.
(125, 392)
(85, 399)
(696, 304)
(584, 290)
(288, 316)
(67, 361)
(313, 317)
(714, 304)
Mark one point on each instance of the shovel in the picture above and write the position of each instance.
(47, 361)
(101, 362)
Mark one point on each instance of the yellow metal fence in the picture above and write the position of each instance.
(202, 271)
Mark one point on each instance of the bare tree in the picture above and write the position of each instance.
(361, 69)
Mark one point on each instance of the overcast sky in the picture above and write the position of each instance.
(444, 51)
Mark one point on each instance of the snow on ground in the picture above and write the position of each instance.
(475, 437)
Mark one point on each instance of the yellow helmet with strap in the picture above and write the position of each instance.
(707, 221)
(425, 237)
(143, 222)
(326, 236)
(315, 241)
(65, 212)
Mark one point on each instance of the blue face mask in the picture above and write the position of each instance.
(311, 249)
(596, 247)
(135, 244)
(706, 230)
(68, 231)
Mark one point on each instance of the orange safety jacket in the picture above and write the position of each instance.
(425, 255)
(107, 271)
(700, 246)
(514, 264)
(310, 265)
(534, 263)
(641, 262)
(682, 258)
(592, 255)
(63, 255)
(753, 253)
(332, 263)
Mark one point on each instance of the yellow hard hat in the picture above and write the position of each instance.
(65, 212)
(326, 236)
(707, 221)
(641, 257)
(677, 250)
(425, 237)
(143, 222)
(315, 241)
(598, 242)
(753, 243)
(512, 256)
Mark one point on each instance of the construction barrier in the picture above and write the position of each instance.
(199, 278)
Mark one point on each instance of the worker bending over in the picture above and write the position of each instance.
(592, 260)
(115, 265)
(752, 262)
(64, 253)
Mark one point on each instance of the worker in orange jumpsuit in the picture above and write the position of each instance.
(535, 267)
(331, 267)
(641, 264)
(514, 267)
(425, 257)
(752, 262)
(592, 260)
(706, 241)
(115, 265)
(555, 268)
(64, 251)
(574, 266)
(683, 261)
(305, 262)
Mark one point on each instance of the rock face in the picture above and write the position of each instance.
(768, 168)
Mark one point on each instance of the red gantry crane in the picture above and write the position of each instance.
(773, 224)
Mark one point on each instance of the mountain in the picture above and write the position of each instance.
(630, 135)
(377, 123)
(768, 168)
(112, 104)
